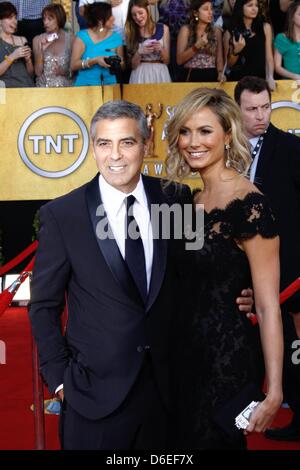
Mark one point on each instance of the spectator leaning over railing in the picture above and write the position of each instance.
(248, 43)
(52, 50)
(93, 46)
(287, 46)
(30, 22)
(148, 45)
(199, 46)
(16, 67)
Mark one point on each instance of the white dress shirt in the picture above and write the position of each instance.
(114, 205)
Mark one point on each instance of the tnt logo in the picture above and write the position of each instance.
(53, 142)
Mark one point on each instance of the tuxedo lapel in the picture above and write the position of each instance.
(264, 164)
(155, 197)
(108, 246)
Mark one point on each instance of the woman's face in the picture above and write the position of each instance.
(205, 13)
(50, 23)
(139, 15)
(202, 140)
(9, 25)
(297, 17)
(250, 9)
(110, 22)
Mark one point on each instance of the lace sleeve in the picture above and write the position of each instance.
(252, 216)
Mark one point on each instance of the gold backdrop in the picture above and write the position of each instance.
(45, 150)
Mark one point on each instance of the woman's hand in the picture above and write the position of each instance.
(221, 77)
(22, 52)
(43, 43)
(202, 41)
(100, 61)
(271, 82)
(239, 45)
(157, 46)
(262, 417)
(145, 49)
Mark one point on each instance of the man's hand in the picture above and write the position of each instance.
(245, 302)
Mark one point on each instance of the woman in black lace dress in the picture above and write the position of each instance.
(240, 247)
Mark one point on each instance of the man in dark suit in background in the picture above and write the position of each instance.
(111, 366)
(275, 170)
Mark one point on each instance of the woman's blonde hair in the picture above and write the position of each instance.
(229, 116)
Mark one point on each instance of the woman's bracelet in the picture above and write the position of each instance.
(195, 49)
(85, 64)
(10, 62)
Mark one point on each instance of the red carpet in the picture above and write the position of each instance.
(17, 423)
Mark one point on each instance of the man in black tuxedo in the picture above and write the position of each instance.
(275, 170)
(111, 367)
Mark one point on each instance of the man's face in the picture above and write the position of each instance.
(256, 112)
(119, 152)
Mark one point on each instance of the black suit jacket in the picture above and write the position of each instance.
(108, 329)
(278, 176)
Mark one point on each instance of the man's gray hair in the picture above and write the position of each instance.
(121, 109)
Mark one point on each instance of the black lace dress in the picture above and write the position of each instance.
(215, 342)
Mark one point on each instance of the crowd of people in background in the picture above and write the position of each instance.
(149, 41)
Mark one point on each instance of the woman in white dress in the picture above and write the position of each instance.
(148, 45)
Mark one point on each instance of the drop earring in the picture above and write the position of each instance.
(101, 29)
(196, 18)
(227, 163)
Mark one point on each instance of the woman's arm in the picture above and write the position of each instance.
(78, 49)
(21, 52)
(165, 50)
(269, 56)
(263, 256)
(38, 54)
(280, 69)
(27, 56)
(233, 48)
(120, 53)
(219, 54)
(184, 53)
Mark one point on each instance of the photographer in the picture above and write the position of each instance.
(94, 48)
(248, 44)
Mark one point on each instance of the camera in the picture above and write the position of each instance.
(52, 37)
(246, 33)
(115, 64)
